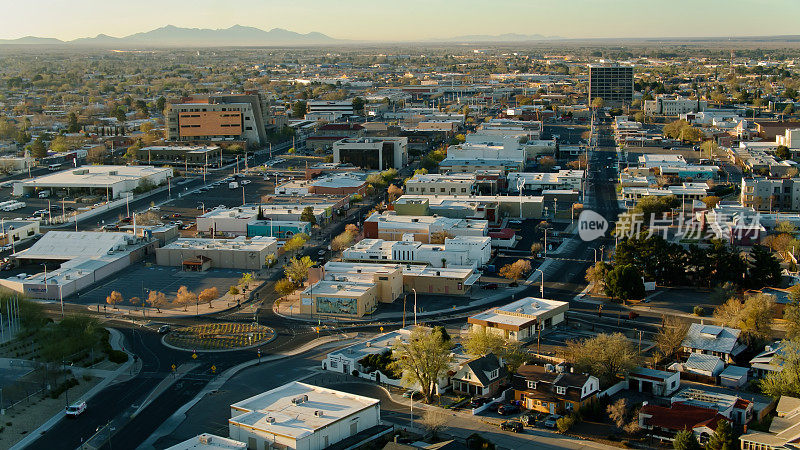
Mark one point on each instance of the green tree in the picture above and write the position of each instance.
(481, 342)
(297, 269)
(606, 356)
(787, 380)
(358, 105)
(764, 268)
(161, 104)
(299, 109)
(119, 114)
(38, 150)
(685, 440)
(783, 152)
(723, 438)
(308, 215)
(424, 358)
(624, 282)
(72, 123)
(59, 144)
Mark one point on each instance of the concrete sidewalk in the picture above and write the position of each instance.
(116, 341)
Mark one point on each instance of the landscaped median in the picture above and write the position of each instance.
(219, 336)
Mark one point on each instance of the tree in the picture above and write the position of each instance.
(786, 227)
(299, 108)
(120, 115)
(722, 439)
(208, 295)
(233, 290)
(753, 316)
(295, 243)
(685, 440)
(536, 248)
(597, 103)
(308, 215)
(161, 103)
(342, 241)
(597, 274)
(38, 150)
(245, 279)
(481, 342)
(394, 192)
(791, 314)
(518, 269)
(434, 420)
(438, 237)
(618, 412)
(59, 144)
(297, 269)
(670, 336)
(765, 269)
(711, 201)
(156, 300)
(72, 123)
(624, 282)
(547, 162)
(114, 298)
(423, 359)
(284, 287)
(787, 380)
(673, 129)
(709, 148)
(783, 152)
(185, 297)
(788, 110)
(605, 356)
(270, 259)
(358, 105)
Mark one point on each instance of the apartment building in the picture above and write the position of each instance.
(460, 251)
(329, 110)
(771, 194)
(372, 153)
(219, 117)
(391, 226)
(453, 184)
(612, 82)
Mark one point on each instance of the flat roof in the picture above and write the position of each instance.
(63, 245)
(7, 224)
(520, 313)
(95, 176)
(240, 243)
(298, 409)
(355, 287)
(209, 442)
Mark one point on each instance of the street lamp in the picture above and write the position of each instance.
(415, 306)
(541, 287)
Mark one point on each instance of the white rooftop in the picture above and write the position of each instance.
(520, 312)
(298, 409)
(62, 245)
(95, 176)
(240, 243)
(207, 441)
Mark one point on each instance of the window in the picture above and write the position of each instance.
(561, 390)
(334, 364)
(531, 385)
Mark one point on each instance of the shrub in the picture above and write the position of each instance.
(565, 423)
(699, 311)
(117, 356)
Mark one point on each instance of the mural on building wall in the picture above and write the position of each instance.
(336, 305)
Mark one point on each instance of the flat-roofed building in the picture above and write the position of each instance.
(301, 416)
(519, 320)
(343, 183)
(281, 229)
(533, 181)
(181, 155)
(198, 254)
(16, 231)
(351, 295)
(108, 181)
(453, 184)
(390, 226)
(439, 280)
(387, 277)
(372, 153)
(207, 441)
(219, 117)
(234, 221)
(460, 251)
(486, 207)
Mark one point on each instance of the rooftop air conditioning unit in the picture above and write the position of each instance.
(205, 439)
(270, 419)
(318, 413)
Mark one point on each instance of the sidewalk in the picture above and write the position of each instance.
(120, 374)
(179, 416)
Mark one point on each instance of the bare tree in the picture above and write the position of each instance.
(618, 412)
(434, 420)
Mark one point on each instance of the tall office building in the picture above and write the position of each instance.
(219, 117)
(611, 82)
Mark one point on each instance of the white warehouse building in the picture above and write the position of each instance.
(108, 181)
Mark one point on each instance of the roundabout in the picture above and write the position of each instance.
(219, 337)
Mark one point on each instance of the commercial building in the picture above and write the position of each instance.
(453, 184)
(235, 221)
(197, 254)
(460, 251)
(329, 110)
(529, 181)
(771, 194)
(439, 280)
(181, 155)
(470, 165)
(673, 105)
(391, 227)
(219, 117)
(280, 229)
(612, 82)
(372, 153)
(520, 320)
(684, 192)
(207, 441)
(485, 207)
(790, 139)
(352, 296)
(76, 260)
(325, 135)
(341, 183)
(108, 181)
(301, 416)
(13, 232)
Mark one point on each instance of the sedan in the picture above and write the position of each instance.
(75, 409)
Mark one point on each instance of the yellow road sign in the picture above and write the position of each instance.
(174, 367)
(194, 355)
(214, 369)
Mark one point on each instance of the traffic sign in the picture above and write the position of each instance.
(213, 369)
(381, 329)
(194, 355)
(174, 367)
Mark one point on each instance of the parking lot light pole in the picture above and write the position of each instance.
(541, 287)
(415, 306)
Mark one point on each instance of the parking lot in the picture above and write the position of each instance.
(138, 280)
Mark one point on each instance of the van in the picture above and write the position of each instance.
(44, 194)
(233, 185)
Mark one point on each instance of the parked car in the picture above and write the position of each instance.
(550, 421)
(490, 286)
(512, 425)
(164, 329)
(477, 402)
(75, 409)
(508, 408)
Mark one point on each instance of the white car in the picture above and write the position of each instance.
(75, 409)
(155, 208)
(244, 182)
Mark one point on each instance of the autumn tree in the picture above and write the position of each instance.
(295, 243)
(209, 295)
(597, 274)
(114, 298)
(342, 241)
(791, 313)
(156, 300)
(438, 237)
(753, 316)
(394, 192)
(618, 412)
(423, 359)
(787, 380)
(434, 420)
(284, 287)
(297, 269)
(481, 342)
(670, 336)
(518, 269)
(185, 297)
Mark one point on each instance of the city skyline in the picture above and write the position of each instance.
(413, 20)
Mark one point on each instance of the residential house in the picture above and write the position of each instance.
(663, 422)
(545, 389)
(768, 361)
(713, 340)
(784, 431)
(481, 376)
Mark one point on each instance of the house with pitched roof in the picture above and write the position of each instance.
(664, 422)
(481, 376)
(548, 390)
(713, 340)
(784, 431)
(768, 361)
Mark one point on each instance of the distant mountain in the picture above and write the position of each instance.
(172, 36)
(506, 37)
(31, 40)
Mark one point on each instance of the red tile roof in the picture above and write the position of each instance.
(681, 416)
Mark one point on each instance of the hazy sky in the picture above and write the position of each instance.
(407, 19)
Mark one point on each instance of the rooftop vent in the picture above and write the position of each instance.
(205, 439)
(270, 419)
(318, 413)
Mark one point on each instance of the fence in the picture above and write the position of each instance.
(500, 398)
(614, 389)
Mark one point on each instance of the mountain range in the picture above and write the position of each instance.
(172, 36)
